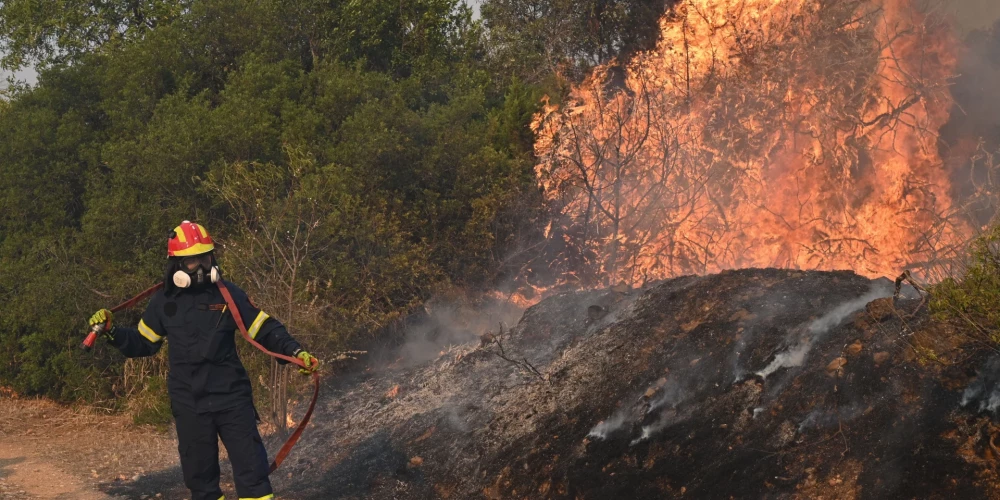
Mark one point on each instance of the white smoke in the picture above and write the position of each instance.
(448, 323)
(607, 427)
(821, 418)
(671, 395)
(985, 389)
(992, 403)
(971, 393)
(665, 419)
(795, 356)
(454, 419)
(814, 331)
(647, 431)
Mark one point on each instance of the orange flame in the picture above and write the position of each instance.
(524, 297)
(392, 393)
(759, 133)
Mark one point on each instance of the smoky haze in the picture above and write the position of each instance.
(973, 131)
(972, 15)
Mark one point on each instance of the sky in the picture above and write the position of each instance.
(969, 14)
(26, 74)
(475, 6)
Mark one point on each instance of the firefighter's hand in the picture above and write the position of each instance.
(102, 317)
(310, 361)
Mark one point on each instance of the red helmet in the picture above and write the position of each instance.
(189, 239)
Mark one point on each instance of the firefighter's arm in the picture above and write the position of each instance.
(261, 327)
(145, 340)
(275, 337)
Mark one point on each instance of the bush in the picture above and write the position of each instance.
(973, 298)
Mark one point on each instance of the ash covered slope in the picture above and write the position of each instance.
(756, 383)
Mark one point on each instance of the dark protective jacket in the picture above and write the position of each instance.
(205, 371)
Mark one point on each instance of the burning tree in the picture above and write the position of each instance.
(788, 133)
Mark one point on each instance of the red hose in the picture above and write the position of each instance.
(290, 443)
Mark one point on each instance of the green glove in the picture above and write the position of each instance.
(102, 317)
(309, 360)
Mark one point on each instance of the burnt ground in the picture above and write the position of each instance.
(746, 384)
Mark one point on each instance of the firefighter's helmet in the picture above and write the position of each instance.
(189, 239)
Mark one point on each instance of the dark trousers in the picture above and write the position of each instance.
(198, 442)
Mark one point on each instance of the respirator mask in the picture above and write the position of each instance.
(196, 271)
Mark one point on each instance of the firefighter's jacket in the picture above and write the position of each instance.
(205, 371)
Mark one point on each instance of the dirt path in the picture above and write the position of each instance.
(26, 474)
(50, 451)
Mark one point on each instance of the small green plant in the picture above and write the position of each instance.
(973, 298)
(926, 355)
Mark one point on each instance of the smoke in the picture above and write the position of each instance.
(985, 390)
(605, 428)
(816, 330)
(973, 129)
(794, 357)
(822, 418)
(665, 406)
(662, 409)
(762, 313)
(455, 419)
(670, 396)
(971, 15)
(649, 430)
(665, 418)
(687, 379)
(618, 420)
(444, 323)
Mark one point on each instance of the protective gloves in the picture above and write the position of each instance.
(309, 360)
(103, 317)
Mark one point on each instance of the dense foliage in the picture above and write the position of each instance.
(971, 300)
(352, 159)
(541, 38)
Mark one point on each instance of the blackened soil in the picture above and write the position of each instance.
(669, 394)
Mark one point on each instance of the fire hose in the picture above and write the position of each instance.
(286, 448)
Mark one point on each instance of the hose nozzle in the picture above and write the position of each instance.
(91, 338)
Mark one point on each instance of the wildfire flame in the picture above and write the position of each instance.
(392, 393)
(758, 133)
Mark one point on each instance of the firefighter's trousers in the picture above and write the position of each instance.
(198, 442)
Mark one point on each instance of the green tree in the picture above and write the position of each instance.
(55, 32)
(377, 133)
(537, 39)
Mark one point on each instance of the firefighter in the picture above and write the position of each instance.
(210, 393)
